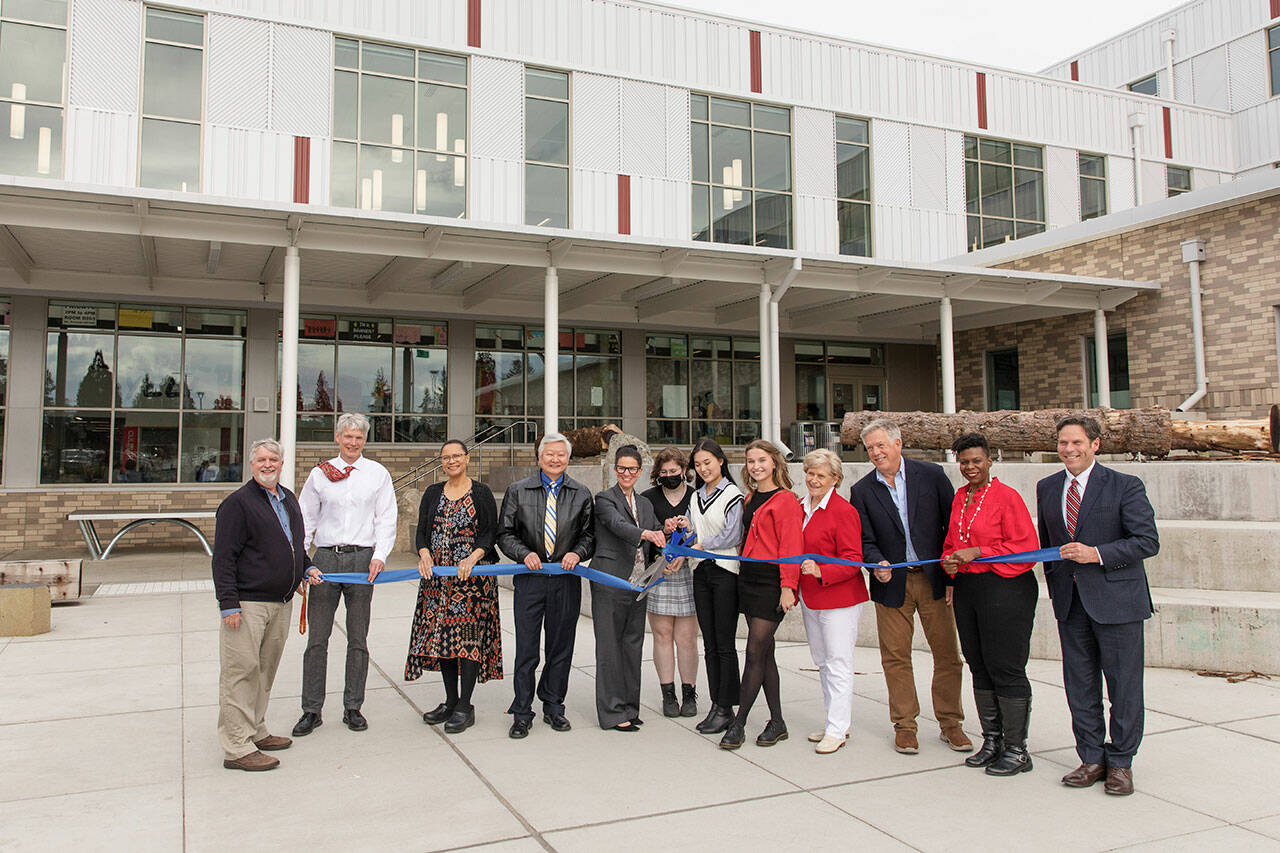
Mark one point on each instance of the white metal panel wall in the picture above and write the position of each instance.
(1062, 186)
(106, 54)
(102, 147)
(496, 190)
(910, 234)
(679, 155)
(1155, 181)
(438, 22)
(239, 72)
(644, 130)
(595, 201)
(660, 208)
(1182, 85)
(814, 139)
(1201, 178)
(1201, 140)
(1209, 79)
(1119, 184)
(249, 164)
(302, 80)
(890, 164)
(928, 151)
(1247, 71)
(497, 108)
(817, 228)
(954, 147)
(597, 121)
(1257, 135)
(321, 157)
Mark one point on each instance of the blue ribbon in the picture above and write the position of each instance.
(491, 570)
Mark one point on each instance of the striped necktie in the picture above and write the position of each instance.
(549, 523)
(1073, 507)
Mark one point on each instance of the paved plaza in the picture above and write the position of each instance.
(107, 728)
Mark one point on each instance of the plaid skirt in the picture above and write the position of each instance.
(674, 596)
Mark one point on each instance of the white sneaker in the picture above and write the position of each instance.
(829, 744)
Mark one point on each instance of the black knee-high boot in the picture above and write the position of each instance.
(992, 735)
(1015, 714)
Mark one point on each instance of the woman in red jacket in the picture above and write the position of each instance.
(774, 522)
(833, 594)
(995, 605)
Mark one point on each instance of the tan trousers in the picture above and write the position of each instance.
(895, 626)
(250, 655)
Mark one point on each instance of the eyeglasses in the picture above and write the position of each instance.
(627, 469)
(456, 457)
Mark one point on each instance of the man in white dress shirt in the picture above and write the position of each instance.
(349, 508)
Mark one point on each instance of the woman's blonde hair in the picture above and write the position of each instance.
(823, 456)
(781, 477)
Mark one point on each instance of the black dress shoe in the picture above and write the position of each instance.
(774, 731)
(636, 721)
(438, 714)
(733, 736)
(519, 729)
(626, 726)
(716, 721)
(460, 720)
(355, 720)
(306, 723)
(558, 722)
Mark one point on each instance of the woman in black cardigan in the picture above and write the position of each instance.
(455, 626)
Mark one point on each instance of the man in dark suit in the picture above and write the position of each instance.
(905, 506)
(1106, 527)
(546, 517)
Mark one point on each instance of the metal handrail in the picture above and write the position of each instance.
(489, 433)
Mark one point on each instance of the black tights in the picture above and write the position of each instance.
(459, 680)
(761, 669)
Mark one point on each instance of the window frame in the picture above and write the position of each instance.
(739, 353)
(1170, 190)
(1014, 220)
(144, 117)
(566, 166)
(869, 202)
(1089, 359)
(1103, 180)
(1273, 58)
(61, 105)
(1154, 77)
(989, 380)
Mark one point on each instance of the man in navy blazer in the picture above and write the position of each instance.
(1106, 527)
(905, 507)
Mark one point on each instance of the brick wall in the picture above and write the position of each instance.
(1240, 283)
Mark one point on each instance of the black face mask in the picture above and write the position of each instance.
(670, 481)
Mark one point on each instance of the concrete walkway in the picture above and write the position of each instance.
(107, 730)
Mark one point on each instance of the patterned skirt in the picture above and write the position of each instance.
(674, 596)
(456, 619)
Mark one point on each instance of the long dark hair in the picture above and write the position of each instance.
(713, 447)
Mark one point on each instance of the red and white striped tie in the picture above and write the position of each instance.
(1073, 507)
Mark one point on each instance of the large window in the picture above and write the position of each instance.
(510, 378)
(1004, 190)
(1117, 369)
(33, 71)
(818, 363)
(172, 100)
(1146, 86)
(142, 394)
(853, 185)
(1002, 380)
(399, 129)
(700, 386)
(1093, 186)
(396, 372)
(1273, 56)
(1177, 180)
(546, 148)
(741, 172)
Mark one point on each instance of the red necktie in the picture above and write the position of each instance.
(1073, 507)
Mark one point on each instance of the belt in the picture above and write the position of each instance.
(345, 549)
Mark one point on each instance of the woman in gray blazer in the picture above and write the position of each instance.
(628, 535)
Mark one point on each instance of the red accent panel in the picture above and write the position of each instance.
(1275, 8)
(1168, 135)
(473, 23)
(624, 204)
(1075, 66)
(757, 77)
(301, 169)
(982, 100)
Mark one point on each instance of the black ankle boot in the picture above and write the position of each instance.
(733, 736)
(716, 721)
(670, 704)
(992, 735)
(774, 731)
(689, 705)
(1014, 759)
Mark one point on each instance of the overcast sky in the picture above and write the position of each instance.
(1026, 36)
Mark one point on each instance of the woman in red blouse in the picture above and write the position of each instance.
(995, 605)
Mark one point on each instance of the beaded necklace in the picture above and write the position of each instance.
(964, 531)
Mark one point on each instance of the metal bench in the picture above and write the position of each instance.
(135, 519)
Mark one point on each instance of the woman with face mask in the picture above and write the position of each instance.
(672, 617)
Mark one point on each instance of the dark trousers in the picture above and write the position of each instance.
(618, 621)
(1092, 651)
(715, 599)
(550, 603)
(322, 604)
(994, 616)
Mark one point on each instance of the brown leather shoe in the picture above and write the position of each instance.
(955, 738)
(1119, 781)
(253, 761)
(1084, 776)
(273, 742)
(905, 742)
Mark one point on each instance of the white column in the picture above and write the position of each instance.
(766, 373)
(775, 377)
(1100, 357)
(551, 352)
(289, 365)
(947, 344)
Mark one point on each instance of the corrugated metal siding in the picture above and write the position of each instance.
(1183, 88)
(890, 163)
(437, 22)
(106, 54)
(1256, 134)
(1155, 183)
(644, 130)
(815, 151)
(239, 72)
(955, 172)
(302, 80)
(1062, 186)
(250, 164)
(102, 147)
(595, 201)
(1119, 184)
(679, 154)
(910, 234)
(1247, 72)
(321, 158)
(597, 122)
(1209, 79)
(928, 151)
(496, 190)
(817, 230)
(660, 208)
(1201, 140)
(497, 108)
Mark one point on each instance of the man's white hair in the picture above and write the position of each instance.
(552, 438)
(889, 427)
(351, 420)
(268, 444)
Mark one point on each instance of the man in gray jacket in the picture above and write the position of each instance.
(546, 517)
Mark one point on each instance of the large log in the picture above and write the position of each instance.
(1144, 431)
(1231, 436)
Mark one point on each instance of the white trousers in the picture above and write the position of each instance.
(832, 636)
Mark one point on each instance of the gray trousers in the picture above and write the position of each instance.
(321, 605)
(618, 621)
